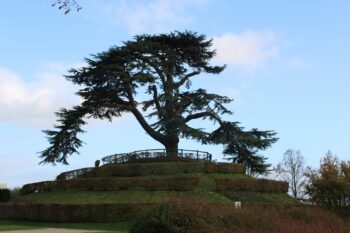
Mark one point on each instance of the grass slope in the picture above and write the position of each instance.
(204, 192)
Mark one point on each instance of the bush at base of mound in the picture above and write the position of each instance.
(101, 184)
(193, 217)
(173, 217)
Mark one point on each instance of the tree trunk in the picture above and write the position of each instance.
(171, 149)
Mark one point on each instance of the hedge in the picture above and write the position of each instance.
(144, 169)
(5, 195)
(249, 184)
(155, 168)
(224, 168)
(49, 212)
(143, 183)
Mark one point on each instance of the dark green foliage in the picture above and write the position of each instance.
(242, 146)
(256, 185)
(158, 67)
(100, 184)
(49, 212)
(5, 195)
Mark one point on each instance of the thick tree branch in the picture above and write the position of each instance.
(150, 131)
(202, 114)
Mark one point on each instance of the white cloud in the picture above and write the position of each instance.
(33, 103)
(148, 16)
(248, 50)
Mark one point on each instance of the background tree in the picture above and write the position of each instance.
(330, 185)
(150, 77)
(292, 170)
(67, 5)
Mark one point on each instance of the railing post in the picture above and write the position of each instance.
(197, 155)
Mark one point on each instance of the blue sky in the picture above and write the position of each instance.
(287, 71)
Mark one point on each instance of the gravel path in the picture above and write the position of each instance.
(50, 230)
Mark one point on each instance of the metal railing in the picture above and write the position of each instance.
(153, 154)
(73, 174)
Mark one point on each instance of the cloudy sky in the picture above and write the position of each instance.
(288, 71)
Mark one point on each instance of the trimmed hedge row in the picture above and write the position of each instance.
(144, 183)
(144, 169)
(158, 168)
(5, 195)
(256, 185)
(224, 168)
(49, 212)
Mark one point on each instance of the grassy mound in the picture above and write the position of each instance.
(206, 190)
(126, 189)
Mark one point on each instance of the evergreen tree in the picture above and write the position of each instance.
(243, 146)
(150, 77)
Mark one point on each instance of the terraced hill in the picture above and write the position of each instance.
(157, 182)
(120, 191)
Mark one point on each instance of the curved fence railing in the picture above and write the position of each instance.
(154, 153)
(73, 174)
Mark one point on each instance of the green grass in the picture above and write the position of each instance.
(124, 196)
(204, 192)
(118, 227)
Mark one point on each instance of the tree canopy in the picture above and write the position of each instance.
(330, 185)
(150, 77)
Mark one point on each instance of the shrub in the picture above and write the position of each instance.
(211, 167)
(248, 184)
(5, 195)
(173, 217)
(144, 169)
(192, 217)
(101, 184)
